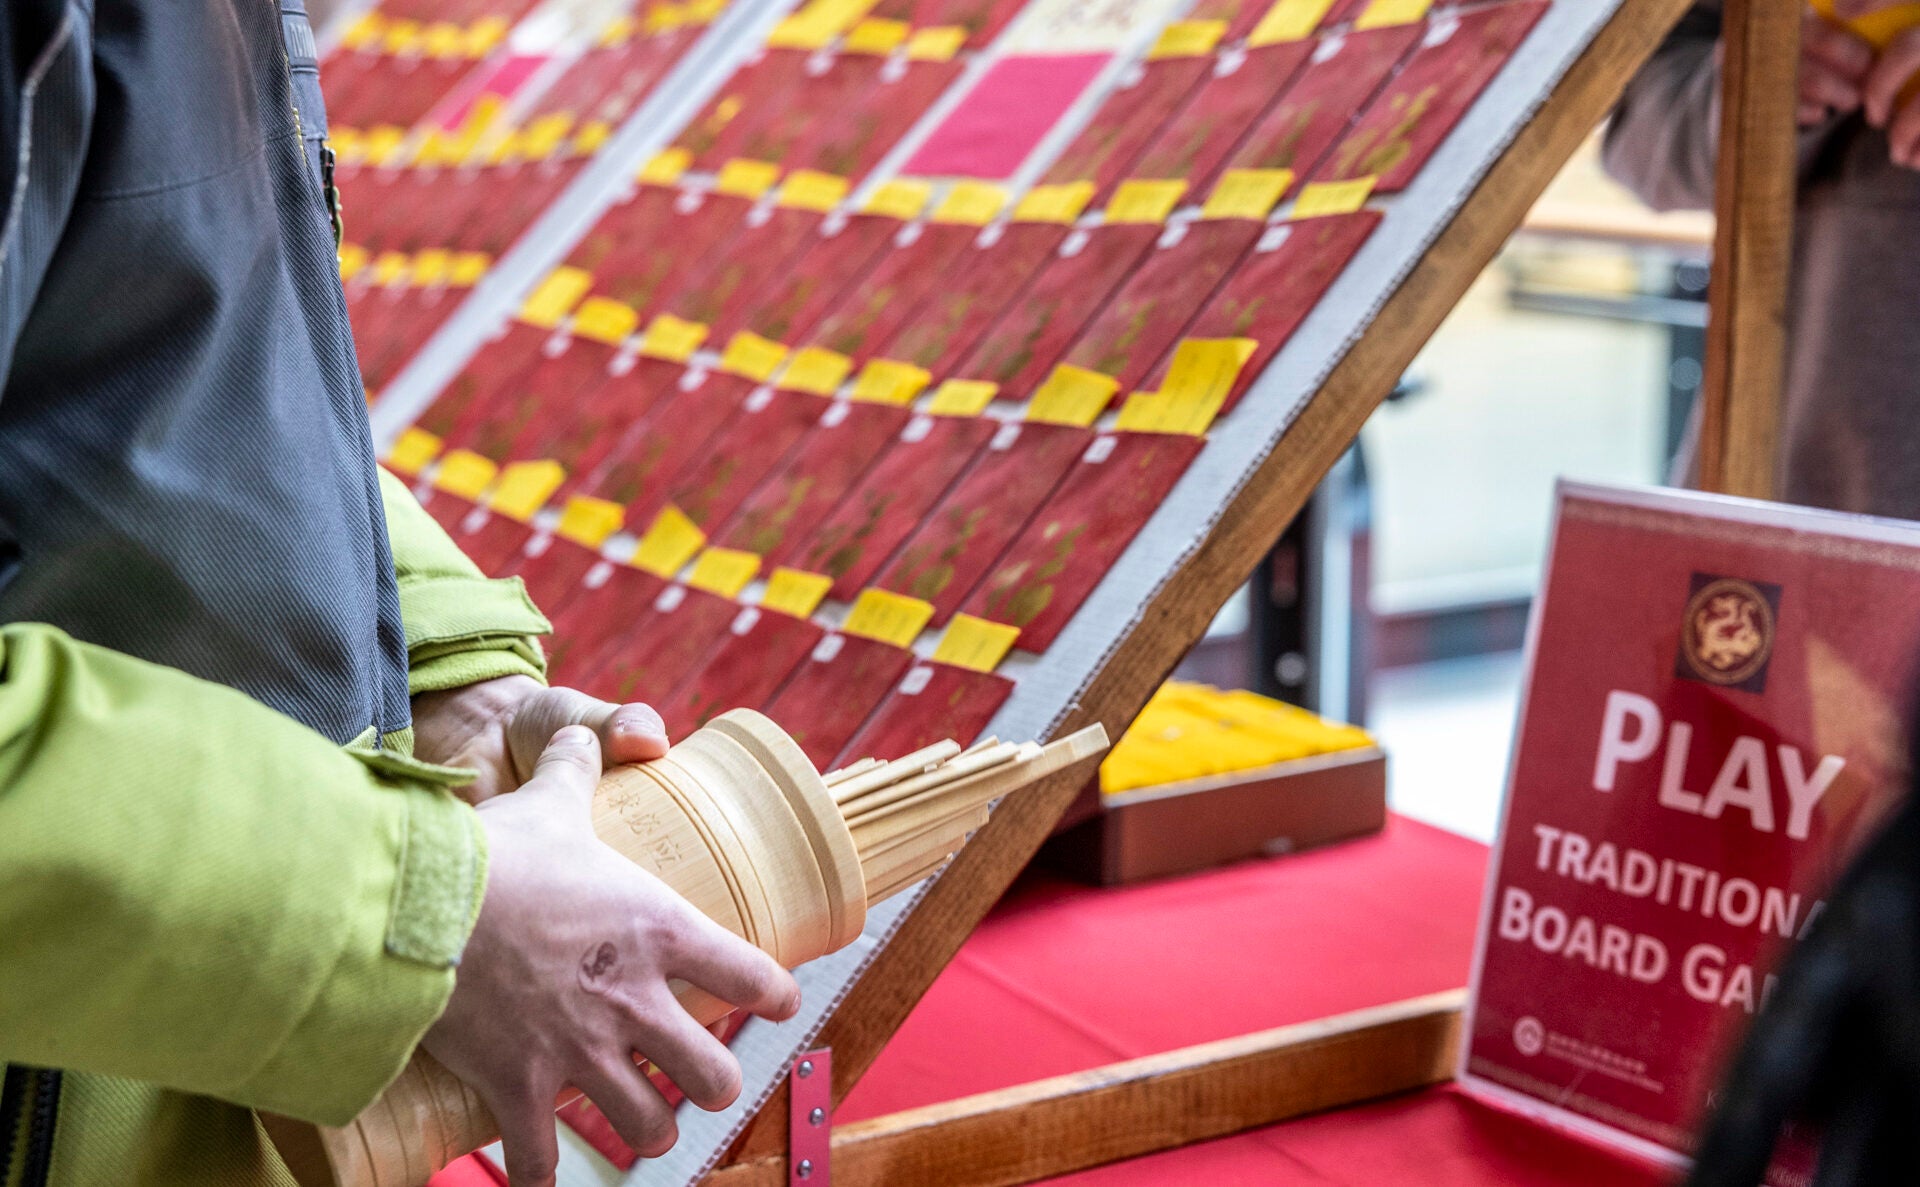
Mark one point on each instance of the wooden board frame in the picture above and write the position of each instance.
(1181, 609)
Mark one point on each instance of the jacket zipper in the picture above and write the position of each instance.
(38, 1093)
(13, 1094)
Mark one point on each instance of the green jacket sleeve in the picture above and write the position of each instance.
(202, 893)
(461, 627)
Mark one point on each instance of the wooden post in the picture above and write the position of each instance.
(1740, 399)
(1170, 625)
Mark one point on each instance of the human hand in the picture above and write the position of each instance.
(498, 728)
(1887, 93)
(1834, 66)
(566, 976)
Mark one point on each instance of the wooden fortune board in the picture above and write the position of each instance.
(896, 457)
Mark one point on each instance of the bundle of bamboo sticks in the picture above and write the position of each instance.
(908, 816)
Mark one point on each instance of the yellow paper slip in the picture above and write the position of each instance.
(1877, 28)
(524, 488)
(796, 591)
(808, 189)
(672, 339)
(971, 203)
(432, 267)
(1382, 13)
(724, 571)
(752, 357)
(411, 453)
(465, 474)
(746, 179)
(1247, 193)
(816, 369)
(963, 397)
(889, 617)
(1188, 39)
(391, 268)
(1145, 201)
(876, 35)
(1323, 198)
(666, 167)
(1062, 203)
(591, 138)
(1289, 20)
(975, 644)
(588, 521)
(605, 320)
(817, 23)
(1203, 371)
(1072, 396)
(353, 260)
(888, 381)
(901, 198)
(468, 268)
(937, 43)
(671, 541)
(554, 297)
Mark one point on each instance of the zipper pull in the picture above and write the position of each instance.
(331, 193)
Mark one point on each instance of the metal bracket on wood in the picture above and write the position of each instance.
(810, 1120)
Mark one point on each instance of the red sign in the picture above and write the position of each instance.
(1714, 718)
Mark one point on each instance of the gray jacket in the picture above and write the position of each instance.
(1851, 425)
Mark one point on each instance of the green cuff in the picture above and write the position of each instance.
(390, 981)
(462, 630)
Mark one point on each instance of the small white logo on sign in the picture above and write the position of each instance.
(1529, 1037)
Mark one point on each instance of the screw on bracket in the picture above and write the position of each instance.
(809, 1128)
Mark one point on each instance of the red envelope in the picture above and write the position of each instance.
(932, 703)
(610, 599)
(1458, 56)
(583, 440)
(1143, 321)
(983, 19)
(1006, 114)
(629, 228)
(757, 91)
(830, 86)
(1344, 72)
(985, 511)
(766, 244)
(1022, 347)
(515, 195)
(553, 568)
(987, 277)
(525, 413)
(467, 400)
(853, 142)
(752, 660)
(638, 470)
(891, 294)
(646, 659)
(1241, 15)
(645, 274)
(1104, 501)
(1244, 84)
(447, 510)
(1134, 112)
(716, 479)
(788, 309)
(906, 483)
(819, 472)
(1276, 285)
(831, 694)
(491, 540)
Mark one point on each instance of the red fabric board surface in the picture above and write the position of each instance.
(789, 309)
(1106, 498)
(1277, 285)
(647, 272)
(766, 244)
(987, 277)
(831, 694)
(491, 540)
(754, 93)
(630, 227)
(1204, 134)
(716, 479)
(528, 412)
(853, 143)
(468, 396)
(885, 301)
(611, 598)
(830, 86)
(1022, 347)
(910, 478)
(580, 436)
(829, 461)
(553, 568)
(984, 19)
(447, 510)
(1132, 115)
(1345, 72)
(644, 660)
(933, 702)
(472, 1171)
(515, 195)
(1063, 978)
(607, 82)
(1401, 129)
(1153, 309)
(638, 471)
(746, 667)
(1241, 15)
(998, 124)
(984, 513)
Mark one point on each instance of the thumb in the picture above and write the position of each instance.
(569, 766)
(628, 733)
